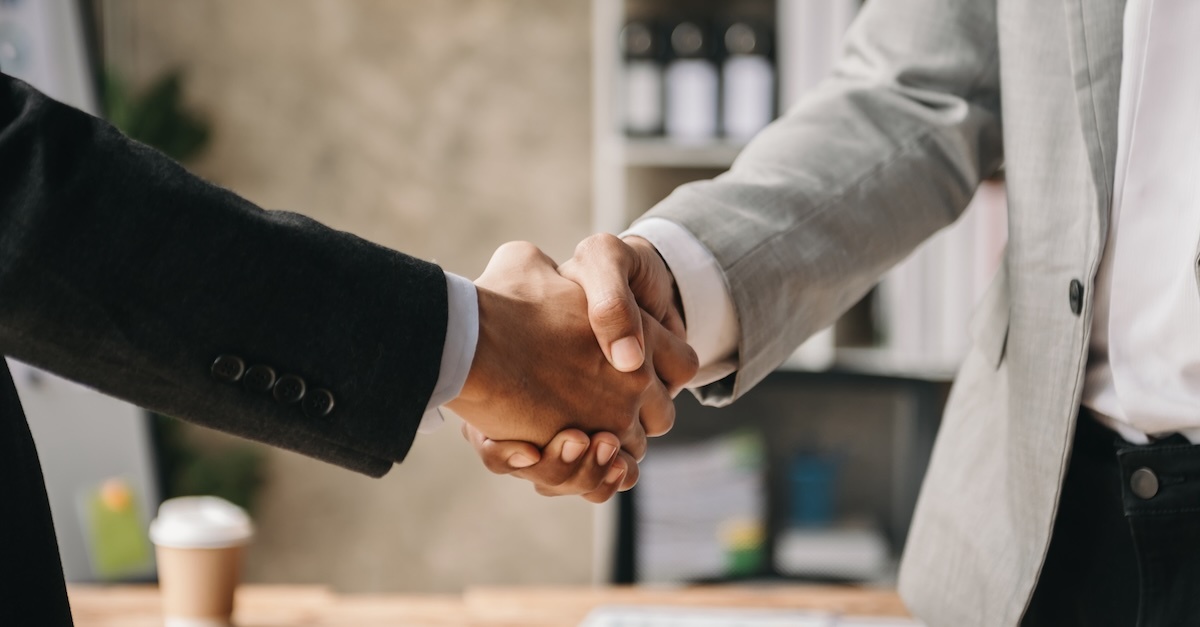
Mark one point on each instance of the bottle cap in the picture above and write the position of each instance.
(637, 40)
(687, 39)
(741, 38)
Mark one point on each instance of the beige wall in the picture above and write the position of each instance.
(442, 128)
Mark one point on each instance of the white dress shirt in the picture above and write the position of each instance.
(458, 351)
(712, 326)
(1143, 374)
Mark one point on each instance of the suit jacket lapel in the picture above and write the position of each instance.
(1095, 32)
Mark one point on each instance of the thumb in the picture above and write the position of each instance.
(603, 266)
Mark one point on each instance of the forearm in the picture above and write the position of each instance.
(845, 185)
(122, 271)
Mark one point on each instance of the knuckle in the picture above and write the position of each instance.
(636, 448)
(691, 362)
(488, 452)
(663, 422)
(495, 466)
(573, 485)
(590, 483)
(598, 496)
(518, 249)
(642, 378)
(598, 244)
(556, 477)
(632, 475)
(614, 310)
(625, 422)
(641, 437)
(607, 437)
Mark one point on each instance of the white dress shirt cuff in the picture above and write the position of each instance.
(462, 334)
(712, 325)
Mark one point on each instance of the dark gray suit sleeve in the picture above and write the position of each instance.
(122, 271)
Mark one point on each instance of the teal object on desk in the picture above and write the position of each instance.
(813, 480)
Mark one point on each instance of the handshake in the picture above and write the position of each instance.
(575, 366)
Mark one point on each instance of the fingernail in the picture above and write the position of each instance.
(519, 460)
(627, 354)
(605, 452)
(614, 474)
(571, 450)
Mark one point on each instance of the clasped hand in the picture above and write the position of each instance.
(576, 365)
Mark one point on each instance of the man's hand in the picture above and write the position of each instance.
(538, 369)
(572, 464)
(622, 279)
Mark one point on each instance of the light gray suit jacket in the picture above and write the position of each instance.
(930, 97)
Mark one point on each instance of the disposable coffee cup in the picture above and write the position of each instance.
(199, 541)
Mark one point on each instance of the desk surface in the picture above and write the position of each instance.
(314, 606)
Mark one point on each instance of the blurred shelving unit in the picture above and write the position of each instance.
(630, 174)
(662, 153)
(807, 37)
(902, 345)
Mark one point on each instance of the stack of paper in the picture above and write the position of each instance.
(701, 510)
(856, 552)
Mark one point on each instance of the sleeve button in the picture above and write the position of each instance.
(259, 378)
(228, 368)
(289, 389)
(318, 403)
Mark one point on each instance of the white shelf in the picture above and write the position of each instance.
(883, 362)
(665, 153)
(889, 362)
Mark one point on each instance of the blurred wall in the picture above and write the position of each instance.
(442, 129)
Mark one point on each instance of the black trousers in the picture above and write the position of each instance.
(1126, 544)
(32, 592)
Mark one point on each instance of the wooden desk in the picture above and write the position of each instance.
(314, 606)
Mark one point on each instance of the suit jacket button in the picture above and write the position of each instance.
(228, 368)
(259, 378)
(1144, 483)
(1076, 295)
(289, 389)
(318, 403)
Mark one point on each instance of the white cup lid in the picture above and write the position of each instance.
(200, 522)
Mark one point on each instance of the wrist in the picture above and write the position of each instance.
(650, 254)
(475, 389)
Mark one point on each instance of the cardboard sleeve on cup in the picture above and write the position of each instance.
(199, 542)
